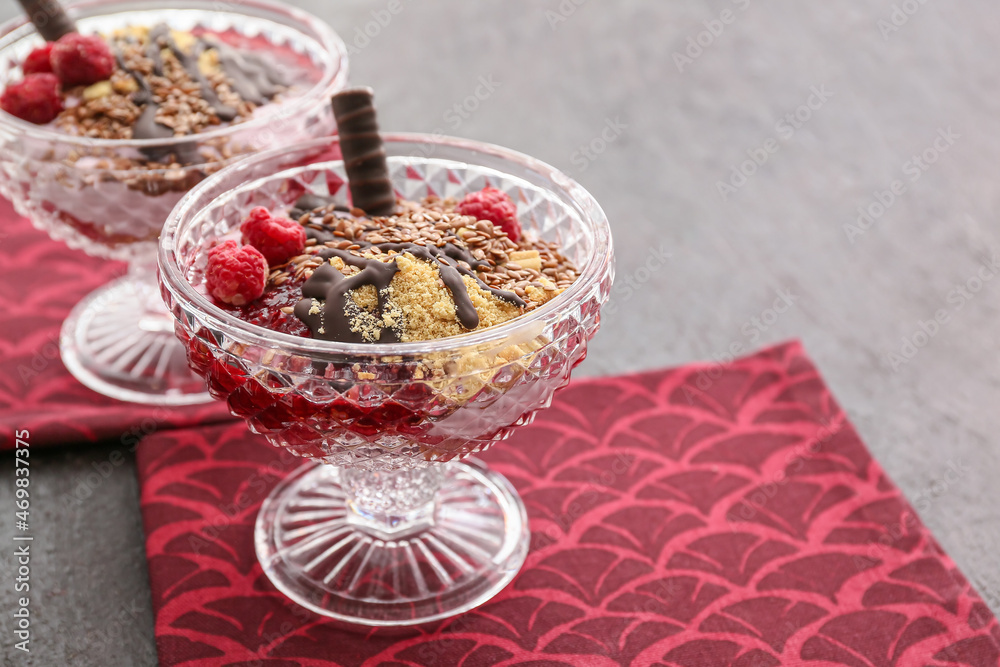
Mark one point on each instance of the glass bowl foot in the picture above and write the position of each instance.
(326, 542)
(119, 341)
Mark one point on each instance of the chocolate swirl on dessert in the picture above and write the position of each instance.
(252, 77)
(159, 37)
(156, 33)
(324, 308)
(327, 308)
(189, 61)
(49, 18)
(145, 126)
(364, 154)
(451, 272)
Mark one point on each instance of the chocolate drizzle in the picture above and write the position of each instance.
(364, 154)
(49, 18)
(448, 258)
(324, 308)
(145, 126)
(189, 61)
(156, 33)
(253, 78)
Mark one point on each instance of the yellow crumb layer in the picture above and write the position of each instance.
(420, 307)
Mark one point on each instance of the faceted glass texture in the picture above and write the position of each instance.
(389, 406)
(84, 191)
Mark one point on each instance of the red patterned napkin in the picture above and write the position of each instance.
(709, 515)
(40, 282)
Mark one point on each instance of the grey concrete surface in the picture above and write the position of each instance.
(564, 73)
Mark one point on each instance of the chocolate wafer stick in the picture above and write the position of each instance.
(364, 154)
(49, 18)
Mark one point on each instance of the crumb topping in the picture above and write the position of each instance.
(506, 280)
(151, 71)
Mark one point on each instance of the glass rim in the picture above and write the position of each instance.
(525, 326)
(316, 95)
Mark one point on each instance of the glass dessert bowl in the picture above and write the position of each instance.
(390, 524)
(109, 197)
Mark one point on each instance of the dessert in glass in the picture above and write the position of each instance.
(387, 350)
(103, 131)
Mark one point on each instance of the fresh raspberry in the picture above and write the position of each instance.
(37, 61)
(493, 205)
(278, 239)
(235, 275)
(80, 60)
(35, 99)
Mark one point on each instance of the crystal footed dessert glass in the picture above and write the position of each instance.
(390, 524)
(110, 197)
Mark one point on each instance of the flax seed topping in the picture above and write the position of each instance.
(169, 83)
(425, 272)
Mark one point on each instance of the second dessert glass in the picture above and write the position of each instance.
(391, 524)
(100, 195)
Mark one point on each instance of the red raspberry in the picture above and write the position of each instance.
(493, 205)
(278, 239)
(235, 275)
(35, 99)
(82, 59)
(37, 61)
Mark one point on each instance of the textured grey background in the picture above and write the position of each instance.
(560, 83)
